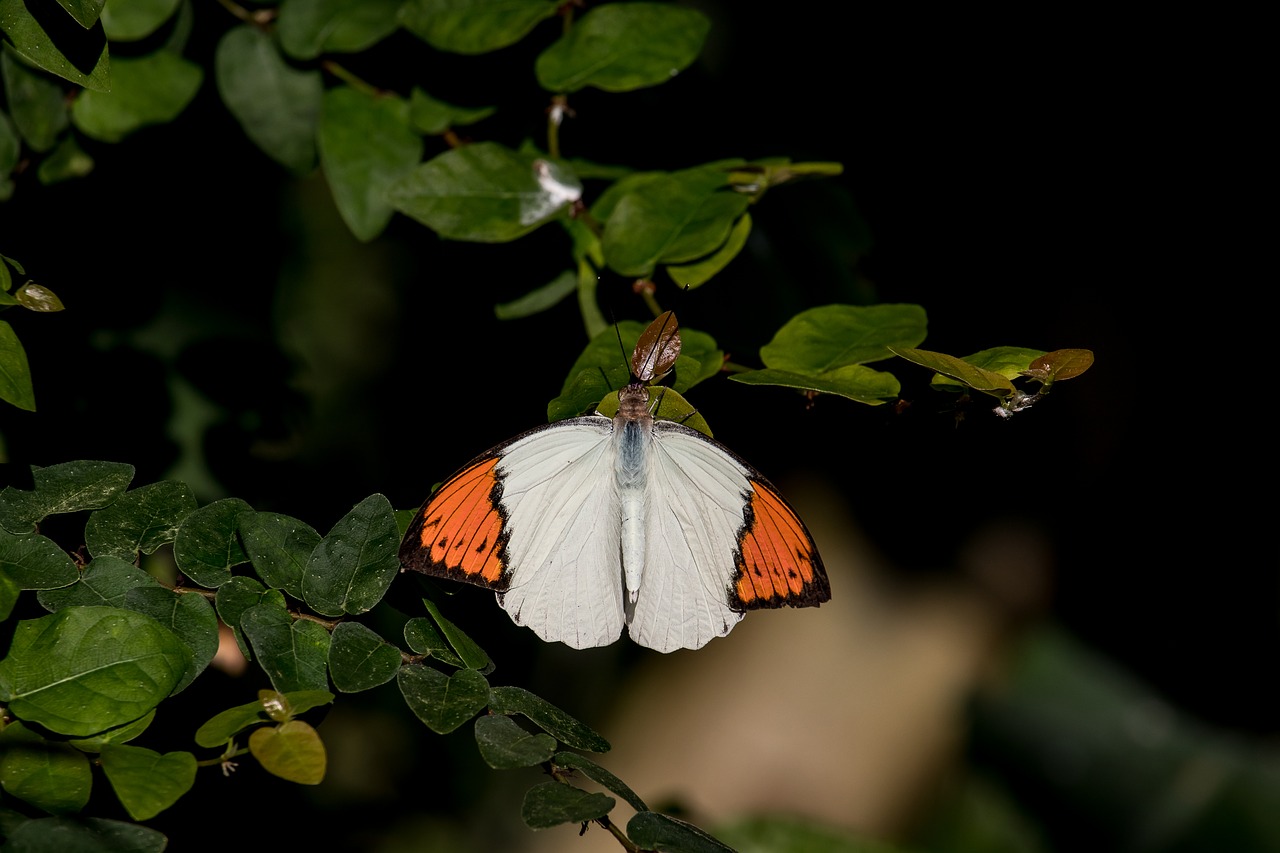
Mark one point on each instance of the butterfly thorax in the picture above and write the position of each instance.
(632, 436)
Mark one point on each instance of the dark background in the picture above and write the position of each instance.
(1028, 179)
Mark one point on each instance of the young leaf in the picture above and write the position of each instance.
(422, 637)
(189, 616)
(442, 702)
(549, 804)
(596, 773)
(85, 669)
(654, 831)
(359, 659)
(293, 653)
(619, 47)
(351, 569)
(472, 655)
(47, 774)
(277, 105)
(1060, 364)
(291, 750)
(147, 782)
(986, 381)
(225, 725)
(141, 519)
(151, 89)
(35, 562)
(504, 745)
(15, 373)
(473, 26)
(831, 336)
(104, 581)
(279, 547)
(207, 546)
(517, 700)
(68, 487)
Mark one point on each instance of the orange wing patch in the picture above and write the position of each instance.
(458, 532)
(778, 564)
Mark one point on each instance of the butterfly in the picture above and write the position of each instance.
(591, 524)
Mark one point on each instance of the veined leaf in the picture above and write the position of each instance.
(67, 487)
(352, 568)
(474, 26)
(147, 782)
(824, 338)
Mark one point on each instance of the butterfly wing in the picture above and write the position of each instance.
(720, 540)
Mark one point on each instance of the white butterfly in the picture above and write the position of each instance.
(590, 524)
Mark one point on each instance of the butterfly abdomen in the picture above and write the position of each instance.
(632, 437)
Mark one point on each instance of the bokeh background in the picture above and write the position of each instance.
(1052, 633)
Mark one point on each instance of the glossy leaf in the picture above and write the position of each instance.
(35, 562)
(1060, 364)
(15, 373)
(37, 105)
(432, 116)
(147, 782)
(292, 751)
(57, 44)
(67, 487)
(654, 831)
(146, 90)
(142, 519)
(701, 271)
(85, 669)
(468, 649)
(238, 595)
(293, 653)
(277, 105)
(359, 659)
(549, 804)
(822, 339)
(540, 299)
(1009, 362)
(366, 145)
(308, 28)
(598, 774)
(484, 193)
(105, 581)
(37, 297)
(130, 20)
(279, 547)
(566, 729)
(190, 616)
(207, 545)
(854, 381)
(474, 26)
(442, 702)
(352, 568)
(47, 774)
(986, 381)
(422, 636)
(619, 47)
(85, 12)
(83, 835)
(504, 745)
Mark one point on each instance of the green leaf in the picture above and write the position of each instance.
(549, 804)
(352, 568)
(141, 519)
(68, 487)
(83, 835)
(291, 750)
(485, 193)
(9, 593)
(308, 28)
(147, 782)
(441, 701)
(85, 12)
(366, 145)
(598, 774)
(35, 562)
(432, 116)
(105, 581)
(359, 659)
(152, 89)
(225, 725)
(38, 105)
(504, 745)
(15, 373)
(37, 297)
(85, 669)
(190, 616)
(293, 653)
(831, 336)
(468, 649)
(238, 595)
(56, 43)
(701, 271)
(131, 20)
(10, 152)
(654, 831)
(118, 734)
(1009, 362)
(277, 105)
(854, 381)
(623, 46)
(540, 299)
(566, 729)
(279, 547)
(67, 161)
(474, 26)
(49, 775)
(207, 546)
(421, 636)
(986, 381)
